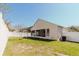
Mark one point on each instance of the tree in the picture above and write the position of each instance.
(4, 7)
(9, 25)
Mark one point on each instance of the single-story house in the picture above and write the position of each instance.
(47, 30)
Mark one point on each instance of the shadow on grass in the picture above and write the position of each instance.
(69, 41)
(39, 39)
(72, 41)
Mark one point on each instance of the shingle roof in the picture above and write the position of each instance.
(39, 19)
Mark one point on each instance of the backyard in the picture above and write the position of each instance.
(34, 47)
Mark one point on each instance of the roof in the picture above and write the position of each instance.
(39, 19)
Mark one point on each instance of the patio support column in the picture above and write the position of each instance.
(46, 32)
(35, 33)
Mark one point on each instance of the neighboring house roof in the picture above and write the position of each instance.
(26, 29)
(46, 22)
(73, 29)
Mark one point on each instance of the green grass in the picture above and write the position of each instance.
(28, 47)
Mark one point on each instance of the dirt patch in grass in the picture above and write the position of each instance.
(27, 49)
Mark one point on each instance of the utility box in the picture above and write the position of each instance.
(63, 38)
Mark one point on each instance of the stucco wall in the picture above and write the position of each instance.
(56, 32)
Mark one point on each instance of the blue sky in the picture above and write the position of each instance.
(27, 14)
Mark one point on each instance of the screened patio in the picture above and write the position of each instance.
(42, 33)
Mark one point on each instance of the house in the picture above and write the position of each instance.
(25, 29)
(72, 29)
(47, 30)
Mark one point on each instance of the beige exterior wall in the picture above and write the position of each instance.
(40, 25)
(54, 30)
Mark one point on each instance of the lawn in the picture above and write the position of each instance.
(30, 47)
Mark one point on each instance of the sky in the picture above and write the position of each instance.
(26, 14)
